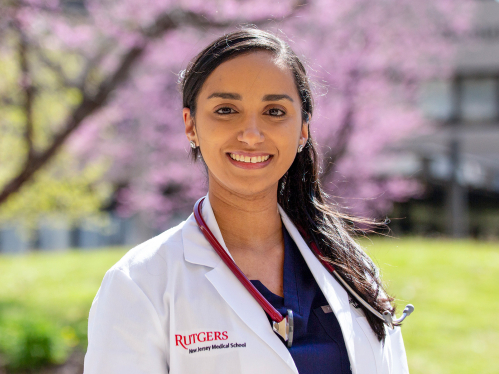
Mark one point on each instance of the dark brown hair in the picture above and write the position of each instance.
(299, 193)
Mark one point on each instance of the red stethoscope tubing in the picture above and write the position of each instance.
(317, 252)
(271, 311)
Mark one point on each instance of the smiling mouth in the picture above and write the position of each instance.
(249, 160)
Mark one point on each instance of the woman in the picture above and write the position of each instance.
(174, 305)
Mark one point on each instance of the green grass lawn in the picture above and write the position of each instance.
(48, 294)
(453, 285)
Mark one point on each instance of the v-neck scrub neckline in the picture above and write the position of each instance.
(318, 345)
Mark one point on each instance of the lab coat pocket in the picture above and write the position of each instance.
(380, 351)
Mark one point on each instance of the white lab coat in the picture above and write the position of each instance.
(174, 290)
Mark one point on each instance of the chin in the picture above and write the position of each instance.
(250, 189)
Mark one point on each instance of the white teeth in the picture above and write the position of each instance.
(248, 159)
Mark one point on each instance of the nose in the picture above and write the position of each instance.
(251, 133)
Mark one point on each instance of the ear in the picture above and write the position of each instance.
(304, 132)
(190, 127)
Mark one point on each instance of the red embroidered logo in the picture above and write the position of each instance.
(204, 336)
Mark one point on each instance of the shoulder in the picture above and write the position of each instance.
(146, 255)
(140, 279)
(128, 320)
(148, 265)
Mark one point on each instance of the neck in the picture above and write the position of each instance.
(247, 222)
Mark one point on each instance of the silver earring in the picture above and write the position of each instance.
(300, 148)
(193, 145)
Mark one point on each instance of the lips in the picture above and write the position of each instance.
(249, 159)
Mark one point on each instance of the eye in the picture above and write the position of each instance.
(276, 112)
(225, 110)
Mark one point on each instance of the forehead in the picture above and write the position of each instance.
(251, 75)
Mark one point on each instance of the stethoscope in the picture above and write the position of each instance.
(283, 325)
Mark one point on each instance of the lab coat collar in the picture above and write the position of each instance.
(197, 250)
(334, 293)
(248, 309)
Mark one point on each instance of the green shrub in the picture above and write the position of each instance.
(45, 298)
(28, 342)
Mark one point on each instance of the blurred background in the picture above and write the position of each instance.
(94, 160)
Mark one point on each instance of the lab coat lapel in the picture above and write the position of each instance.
(336, 296)
(197, 250)
(248, 309)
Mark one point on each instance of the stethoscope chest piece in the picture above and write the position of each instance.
(285, 328)
(282, 326)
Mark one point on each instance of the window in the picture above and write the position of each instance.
(478, 99)
(435, 100)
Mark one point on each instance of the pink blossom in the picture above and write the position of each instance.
(392, 45)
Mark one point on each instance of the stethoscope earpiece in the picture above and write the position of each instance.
(409, 308)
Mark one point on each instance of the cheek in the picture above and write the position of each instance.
(288, 139)
(210, 133)
(213, 137)
(289, 155)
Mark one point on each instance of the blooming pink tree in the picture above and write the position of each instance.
(118, 64)
(371, 58)
(63, 65)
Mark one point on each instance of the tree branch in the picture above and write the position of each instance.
(28, 92)
(340, 140)
(91, 64)
(7, 100)
(90, 104)
(55, 67)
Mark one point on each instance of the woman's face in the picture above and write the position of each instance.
(248, 123)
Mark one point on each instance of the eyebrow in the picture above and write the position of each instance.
(225, 95)
(235, 96)
(276, 98)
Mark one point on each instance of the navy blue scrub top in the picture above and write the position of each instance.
(318, 345)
